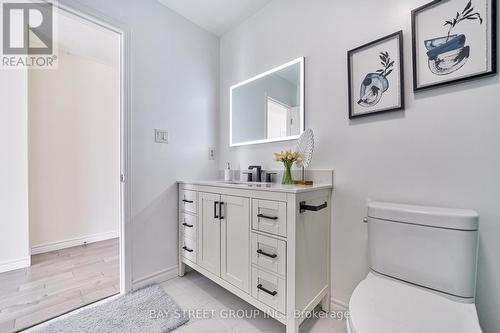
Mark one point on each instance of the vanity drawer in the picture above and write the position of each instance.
(269, 253)
(188, 201)
(269, 289)
(188, 248)
(188, 225)
(269, 216)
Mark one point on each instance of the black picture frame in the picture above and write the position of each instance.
(399, 36)
(493, 51)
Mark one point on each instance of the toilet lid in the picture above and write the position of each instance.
(382, 305)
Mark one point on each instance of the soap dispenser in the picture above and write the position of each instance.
(228, 173)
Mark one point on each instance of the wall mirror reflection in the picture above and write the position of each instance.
(268, 107)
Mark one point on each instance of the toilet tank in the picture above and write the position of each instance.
(432, 247)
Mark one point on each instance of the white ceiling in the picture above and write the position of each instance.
(216, 16)
(291, 74)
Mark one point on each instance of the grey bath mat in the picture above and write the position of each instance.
(146, 310)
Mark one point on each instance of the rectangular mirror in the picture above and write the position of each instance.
(268, 107)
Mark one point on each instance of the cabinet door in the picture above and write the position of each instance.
(209, 232)
(235, 241)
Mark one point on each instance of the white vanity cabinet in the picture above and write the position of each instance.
(257, 242)
(224, 237)
(209, 233)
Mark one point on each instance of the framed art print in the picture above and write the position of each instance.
(376, 77)
(453, 41)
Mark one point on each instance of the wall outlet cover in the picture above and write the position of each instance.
(211, 153)
(161, 136)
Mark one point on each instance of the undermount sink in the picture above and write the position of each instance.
(246, 184)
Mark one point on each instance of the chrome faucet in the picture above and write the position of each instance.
(258, 176)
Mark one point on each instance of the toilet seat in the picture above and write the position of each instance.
(383, 305)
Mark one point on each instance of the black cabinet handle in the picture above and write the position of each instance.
(187, 201)
(187, 249)
(267, 217)
(215, 210)
(220, 210)
(259, 251)
(187, 225)
(272, 293)
(304, 207)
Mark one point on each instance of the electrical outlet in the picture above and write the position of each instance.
(211, 153)
(161, 136)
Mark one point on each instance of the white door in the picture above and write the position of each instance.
(235, 241)
(277, 114)
(209, 232)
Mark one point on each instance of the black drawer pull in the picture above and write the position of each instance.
(187, 225)
(259, 251)
(304, 207)
(187, 249)
(267, 217)
(187, 201)
(272, 293)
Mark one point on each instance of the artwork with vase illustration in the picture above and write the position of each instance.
(453, 41)
(376, 81)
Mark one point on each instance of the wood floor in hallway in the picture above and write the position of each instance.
(58, 282)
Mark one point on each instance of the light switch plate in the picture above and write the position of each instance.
(211, 153)
(161, 136)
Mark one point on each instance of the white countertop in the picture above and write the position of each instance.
(270, 187)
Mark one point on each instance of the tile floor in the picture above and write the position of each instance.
(194, 291)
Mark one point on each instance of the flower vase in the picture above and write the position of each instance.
(287, 175)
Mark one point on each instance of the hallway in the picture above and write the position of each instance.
(57, 282)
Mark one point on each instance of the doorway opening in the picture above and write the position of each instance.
(77, 161)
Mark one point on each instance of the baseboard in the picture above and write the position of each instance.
(59, 245)
(157, 277)
(338, 305)
(11, 265)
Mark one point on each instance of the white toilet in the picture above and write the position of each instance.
(423, 272)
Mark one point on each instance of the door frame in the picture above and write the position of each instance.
(94, 17)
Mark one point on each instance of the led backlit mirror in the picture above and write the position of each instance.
(268, 107)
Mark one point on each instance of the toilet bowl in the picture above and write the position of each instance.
(382, 305)
(422, 272)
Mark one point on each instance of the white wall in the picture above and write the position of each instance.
(442, 151)
(174, 87)
(74, 150)
(14, 239)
